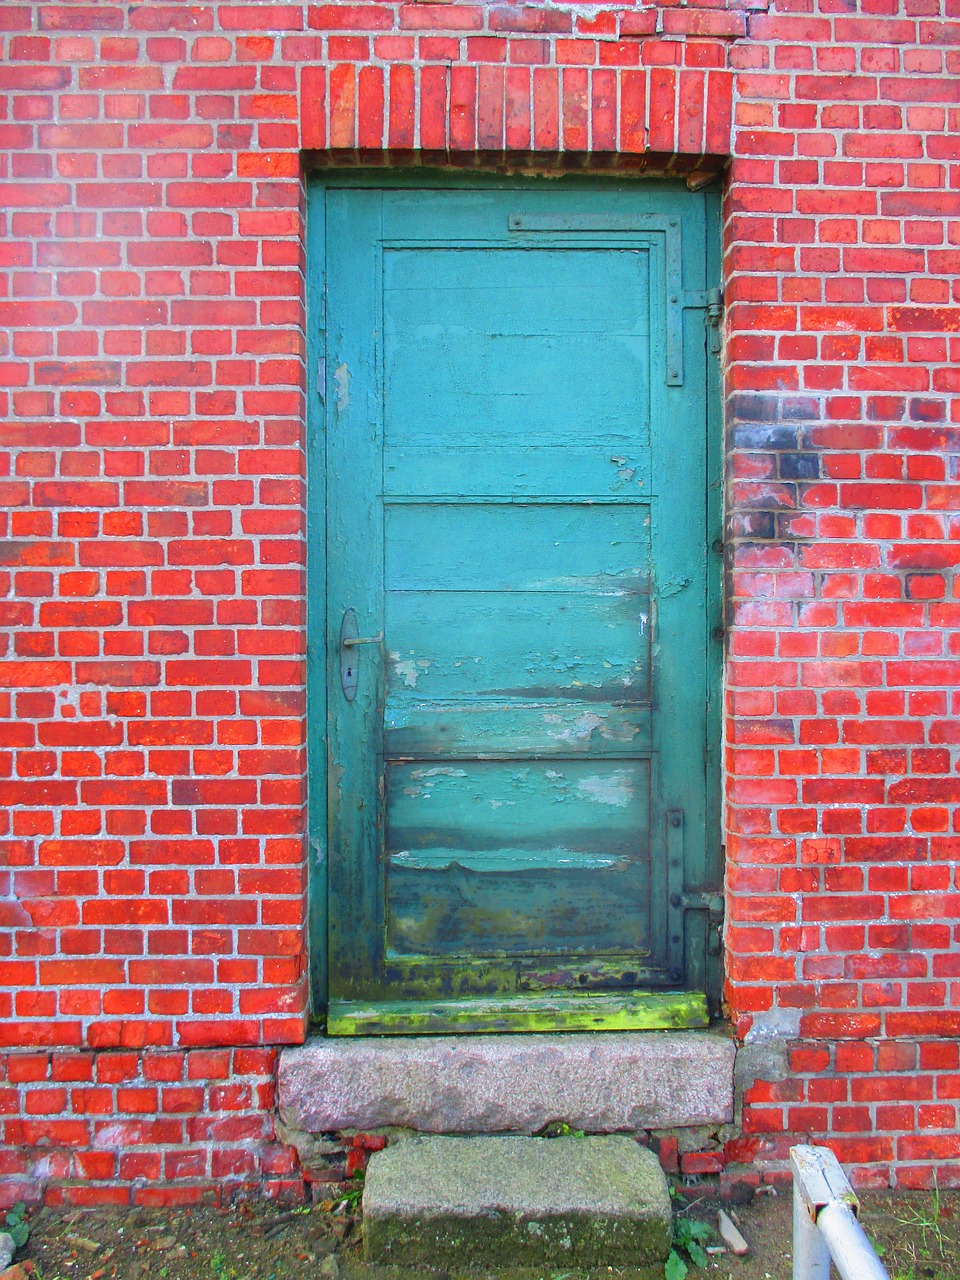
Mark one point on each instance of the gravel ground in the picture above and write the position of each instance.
(917, 1233)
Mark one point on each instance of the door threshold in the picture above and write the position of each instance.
(621, 1011)
(601, 1082)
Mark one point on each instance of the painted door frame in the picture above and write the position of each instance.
(316, 567)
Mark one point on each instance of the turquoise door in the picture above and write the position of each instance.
(518, 596)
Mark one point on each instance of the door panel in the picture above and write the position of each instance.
(529, 375)
(587, 646)
(516, 516)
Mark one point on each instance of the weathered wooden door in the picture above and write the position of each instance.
(517, 606)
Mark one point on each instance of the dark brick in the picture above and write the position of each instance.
(748, 407)
(800, 409)
(773, 438)
(921, 410)
(799, 466)
(753, 524)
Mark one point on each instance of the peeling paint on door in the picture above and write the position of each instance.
(341, 378)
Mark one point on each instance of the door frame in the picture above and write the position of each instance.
(316, 550)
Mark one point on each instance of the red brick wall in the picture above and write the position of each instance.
(150, 1127)
(153, 775)
(152, 768)
(843, 677)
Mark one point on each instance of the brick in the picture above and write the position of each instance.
(463, 108)
(662, 100)
(434, 129)
(702, 1162)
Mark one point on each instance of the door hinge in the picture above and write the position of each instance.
(710, 302)
(669, 227)
(701, 900)
(712, 903)
(714, 318)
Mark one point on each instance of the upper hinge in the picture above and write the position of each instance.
(708, 300)
(632, 224)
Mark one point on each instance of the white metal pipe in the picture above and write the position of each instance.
(811, 1253)
(825, 1225)
(853, 1254)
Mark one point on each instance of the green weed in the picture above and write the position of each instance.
(353, 1194)
(927, 1221)
(560, 1129)
(17, 1226)
(220, 1267)
(689, 1237)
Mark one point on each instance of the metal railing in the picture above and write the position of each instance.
(825, 1221)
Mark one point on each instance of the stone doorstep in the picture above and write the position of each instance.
(601, 1082)
(512, 1201)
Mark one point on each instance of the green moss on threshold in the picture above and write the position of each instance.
(644, 1011)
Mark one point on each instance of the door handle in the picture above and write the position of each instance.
(350, 638)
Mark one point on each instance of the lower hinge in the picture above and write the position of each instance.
(710, 902)
(714, 317)
(705, 900)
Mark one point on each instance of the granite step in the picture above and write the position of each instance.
(614, 1082)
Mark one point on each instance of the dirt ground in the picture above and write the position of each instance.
(916, 1233)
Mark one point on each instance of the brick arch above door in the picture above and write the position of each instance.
(462, 79)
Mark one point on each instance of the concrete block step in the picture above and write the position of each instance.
(516, 1202)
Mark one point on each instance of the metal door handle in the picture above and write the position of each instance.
(350, 637)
